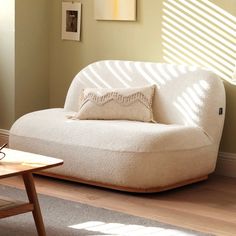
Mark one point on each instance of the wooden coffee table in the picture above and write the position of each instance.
(24, 164)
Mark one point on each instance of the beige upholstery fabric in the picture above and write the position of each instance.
(186, 95)
(117, 104)
(181, 146)
(113, 135)
(116, 152)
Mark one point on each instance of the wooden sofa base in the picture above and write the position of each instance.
(123, 188)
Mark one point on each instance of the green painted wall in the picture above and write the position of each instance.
(101, 40)
(228, 143)
(24, 58)
(31, 56)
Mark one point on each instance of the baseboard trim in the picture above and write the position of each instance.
(226, 164)
(4, 132)
(4, 135)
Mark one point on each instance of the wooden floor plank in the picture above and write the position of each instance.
(209, 206)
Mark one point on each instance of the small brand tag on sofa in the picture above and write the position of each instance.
(221, 111)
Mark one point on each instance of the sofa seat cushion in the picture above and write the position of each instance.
(120, 154)
(121, 136)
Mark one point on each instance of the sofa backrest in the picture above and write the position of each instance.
(184, 95)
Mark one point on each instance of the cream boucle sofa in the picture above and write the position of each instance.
(181, 148)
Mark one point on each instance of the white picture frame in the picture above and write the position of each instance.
(71, 21)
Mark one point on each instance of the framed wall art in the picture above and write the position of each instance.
(124, 10)
(71, 20)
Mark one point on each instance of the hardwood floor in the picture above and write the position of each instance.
(209, 206)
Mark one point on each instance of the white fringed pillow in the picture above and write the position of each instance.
(117, 104)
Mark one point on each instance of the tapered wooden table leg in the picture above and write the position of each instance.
(33, 198)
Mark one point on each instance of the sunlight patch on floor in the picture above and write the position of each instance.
(127, 230)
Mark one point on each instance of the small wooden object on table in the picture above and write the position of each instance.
(24, 164)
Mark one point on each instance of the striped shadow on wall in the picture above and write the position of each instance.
(200, 33)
